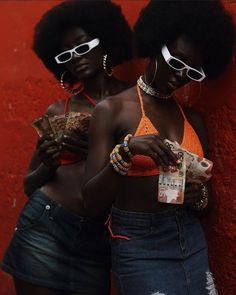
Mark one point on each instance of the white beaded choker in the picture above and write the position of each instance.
(150, 90)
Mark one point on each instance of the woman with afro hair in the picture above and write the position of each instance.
(158, 247)
(56, 249)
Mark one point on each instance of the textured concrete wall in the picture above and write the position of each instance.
(26, 89)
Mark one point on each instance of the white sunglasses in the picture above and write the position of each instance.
(179, 65)
(79, 50)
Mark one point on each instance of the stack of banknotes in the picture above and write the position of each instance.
(192, 169)
(58, 124)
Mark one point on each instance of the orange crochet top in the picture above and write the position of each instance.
(144, 165)
(67, 157)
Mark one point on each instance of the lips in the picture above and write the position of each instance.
(79, 67)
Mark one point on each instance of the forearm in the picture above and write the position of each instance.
(99, 192)
(37, 178)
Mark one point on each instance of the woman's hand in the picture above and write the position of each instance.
(49, 151)
(153, 146)
(76, 142)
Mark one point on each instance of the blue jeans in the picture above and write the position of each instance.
(56, 248)
(159, 254)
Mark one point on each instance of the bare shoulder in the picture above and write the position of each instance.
(114, 111)
(56, 108)
(117, 103)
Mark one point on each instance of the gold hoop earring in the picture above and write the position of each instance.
(74, 91)
(154, 75)
(104, 63)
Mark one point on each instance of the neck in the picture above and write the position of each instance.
(150, 90)
(98, 86)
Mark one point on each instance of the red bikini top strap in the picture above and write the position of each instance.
(66, 104)
(182, 112)
(90, 99)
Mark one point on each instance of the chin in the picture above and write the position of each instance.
(83, 75)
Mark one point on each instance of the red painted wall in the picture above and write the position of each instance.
(26, 89)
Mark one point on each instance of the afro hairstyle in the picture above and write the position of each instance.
(204, 23)
(100, 19)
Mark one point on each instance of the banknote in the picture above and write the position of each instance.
(77, 120)
(42, 126)
(171, 183)
(58, 124)
(198, 169)
(85, 119)
(73, 121)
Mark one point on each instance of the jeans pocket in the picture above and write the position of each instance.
(130, 232)
(30, 215)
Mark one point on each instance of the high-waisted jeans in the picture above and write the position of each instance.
(159, 254)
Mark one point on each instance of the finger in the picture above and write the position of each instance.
(75, 141)
(46, 136)
(155, 158)
(48, 147)
(47, 144)
(56, 155)
(49, 152)
(80, 132)
(77, 133)
(162, 156)
(43, 138)
(74, 148)
(173, 158)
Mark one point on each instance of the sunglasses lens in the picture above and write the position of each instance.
(64, 57)
(178, 65)
(82, 49)
(194, 75)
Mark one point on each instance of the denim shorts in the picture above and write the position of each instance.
(56, 248)
(159, 254)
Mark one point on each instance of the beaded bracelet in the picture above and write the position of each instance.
(126, 145)
(119, 165)
(202, 203)
(118, 157)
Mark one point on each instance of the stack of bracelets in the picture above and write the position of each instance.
(202, 203)
(120, 166)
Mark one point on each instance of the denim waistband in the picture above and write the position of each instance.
(42, 200)
(143, 218)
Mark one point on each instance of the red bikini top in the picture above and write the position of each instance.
(145, 166)
(67, 157)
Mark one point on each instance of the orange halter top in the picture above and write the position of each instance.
(144, 165)
(67, 157)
